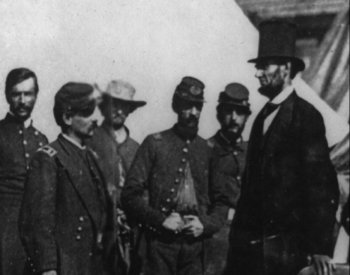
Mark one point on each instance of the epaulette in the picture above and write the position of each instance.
(157, 136)
(210, 143)
(47, 149)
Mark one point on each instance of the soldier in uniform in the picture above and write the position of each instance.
(18, 142)
(228, 162)
(112, 142)
(173, 166)
(66, 213)
(286, 213)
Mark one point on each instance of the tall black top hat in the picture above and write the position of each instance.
(277, 41)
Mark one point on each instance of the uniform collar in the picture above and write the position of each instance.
(282, 96)
(226, 143)
(74, 142)
(27, 123)
(183, 134)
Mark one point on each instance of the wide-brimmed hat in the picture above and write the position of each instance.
(277, 42)
(123, 91)
(237, 95)
(190, 89)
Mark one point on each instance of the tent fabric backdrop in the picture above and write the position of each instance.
(328, 74)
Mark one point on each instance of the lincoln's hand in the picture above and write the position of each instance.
(323, 264)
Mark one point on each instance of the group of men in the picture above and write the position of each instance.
(65, 204)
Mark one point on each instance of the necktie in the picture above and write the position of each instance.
(268, 109)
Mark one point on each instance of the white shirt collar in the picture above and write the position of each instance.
(282, 96)
(28, 122)
(121, 135)
(73, 141)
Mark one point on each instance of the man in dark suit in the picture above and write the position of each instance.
(65, 216)
(116, 149)
(173, 167)
(19, 140)
(289, 194)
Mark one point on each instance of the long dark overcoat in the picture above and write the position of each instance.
(289, 193)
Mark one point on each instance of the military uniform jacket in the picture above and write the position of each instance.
(112, 156)
(17, 146)
(290, 185)
(157, 168)
(228, 165)
(64, 215)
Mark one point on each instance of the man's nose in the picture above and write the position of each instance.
(234, 115)
(259, 73)
(95, 115)
(22, 98)
(194, 110)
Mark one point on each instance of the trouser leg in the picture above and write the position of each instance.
(190, 261)
(244, 260)
(161, 257)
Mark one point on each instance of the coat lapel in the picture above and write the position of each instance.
(275, 134)
(85, 190)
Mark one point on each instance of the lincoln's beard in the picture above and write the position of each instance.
(271, 91)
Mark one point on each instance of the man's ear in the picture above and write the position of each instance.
(288, 68)
(67, 119)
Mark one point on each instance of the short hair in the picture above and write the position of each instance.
(58, 112)
(16, 76)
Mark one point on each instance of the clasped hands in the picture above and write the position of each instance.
(188, 224)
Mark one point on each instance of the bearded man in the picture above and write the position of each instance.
(289, 196)
(184, 208)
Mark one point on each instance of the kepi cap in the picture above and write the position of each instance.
(76, 97)
(190, 89)
(237, 95)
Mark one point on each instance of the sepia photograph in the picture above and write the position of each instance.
(162, 137)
